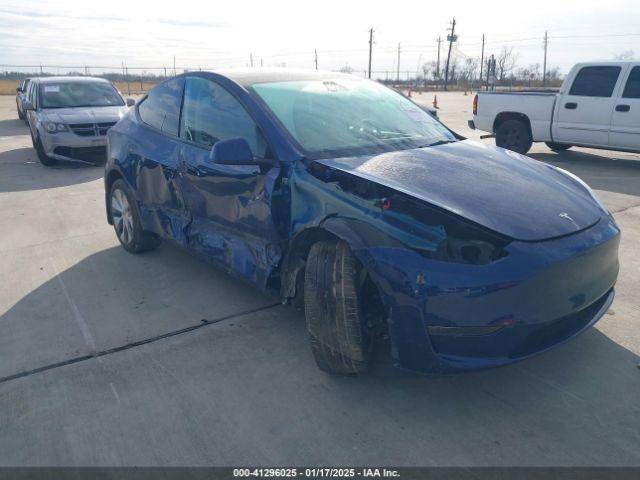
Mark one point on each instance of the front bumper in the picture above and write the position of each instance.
(447, 317)
(69, 146)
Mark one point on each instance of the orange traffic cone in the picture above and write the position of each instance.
(435, 101)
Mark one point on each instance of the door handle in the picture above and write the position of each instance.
(622, 108)
(571, 105)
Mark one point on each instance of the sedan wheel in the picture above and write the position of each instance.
(126, 221)
(122, 216)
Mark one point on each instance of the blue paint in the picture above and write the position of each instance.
(551, 278)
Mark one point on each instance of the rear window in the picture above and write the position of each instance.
(595, 82)
(632, 88)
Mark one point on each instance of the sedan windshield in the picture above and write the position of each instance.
(349, 117)
(79, 94)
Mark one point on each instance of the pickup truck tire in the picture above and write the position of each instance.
(126, 220)
(514, 135)
(333, 312)
(558, 147)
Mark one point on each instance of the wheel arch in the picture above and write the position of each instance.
(354, 233)
(504, 116)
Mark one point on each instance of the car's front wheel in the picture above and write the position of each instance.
(126, 220)
(45, 159)
(340, 340)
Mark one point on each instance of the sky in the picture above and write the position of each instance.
(213, 34)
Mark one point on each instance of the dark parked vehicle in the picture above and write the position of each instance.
(341, 194)
(21, 92)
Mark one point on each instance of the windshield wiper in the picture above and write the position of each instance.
(435, 144)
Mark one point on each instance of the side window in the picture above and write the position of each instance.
(632, 88)
(595, 81)
(210, 113)
(161, 108)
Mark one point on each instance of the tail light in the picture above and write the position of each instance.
(475, 105)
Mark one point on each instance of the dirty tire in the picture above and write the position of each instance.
(514, 135)
(136, 240)
(45, 160)
(332, 309)
(558, 147)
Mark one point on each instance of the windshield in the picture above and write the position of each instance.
(348, 117)
(79, 94)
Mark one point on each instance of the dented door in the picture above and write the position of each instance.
(230, 206)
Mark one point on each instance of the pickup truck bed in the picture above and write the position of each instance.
(598, 106)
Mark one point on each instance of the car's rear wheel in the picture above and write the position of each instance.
(45, 159)
(514, 135)
(558, 147)
(340, 341)
(126, 220)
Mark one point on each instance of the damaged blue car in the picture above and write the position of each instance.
(341, 195)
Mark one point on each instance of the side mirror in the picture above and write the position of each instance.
(18, 89)
(130, 102)
(27, 105)
(233, 151)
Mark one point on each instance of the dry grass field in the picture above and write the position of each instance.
(8, 87)
(134, 87)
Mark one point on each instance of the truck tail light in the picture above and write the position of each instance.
(475, 105)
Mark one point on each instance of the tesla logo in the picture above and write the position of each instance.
(566, 216)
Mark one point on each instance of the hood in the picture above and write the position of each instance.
(506, 192)
(86, 114)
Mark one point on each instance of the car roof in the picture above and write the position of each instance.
(251, 76)
(69, 79)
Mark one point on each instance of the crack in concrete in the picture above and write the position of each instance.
(203, 323)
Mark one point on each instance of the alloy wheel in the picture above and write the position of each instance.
(122, 216)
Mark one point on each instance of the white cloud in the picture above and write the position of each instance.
(221, 34)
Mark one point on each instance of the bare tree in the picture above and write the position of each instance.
(505, 63)
(469, 70)
(346, 69)
(626, 55)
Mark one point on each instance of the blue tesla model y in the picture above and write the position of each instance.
(341, 195)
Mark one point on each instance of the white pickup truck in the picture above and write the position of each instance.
(598, 106)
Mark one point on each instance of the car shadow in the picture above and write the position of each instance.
(13, 127)
(20, 170)
(620, 175)
(573, 405)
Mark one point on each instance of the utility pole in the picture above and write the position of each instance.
(370, 49)
(451, 38)
(398, 66)
(438, 64)
(544, 67)
(315, 59)
(481, 62)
